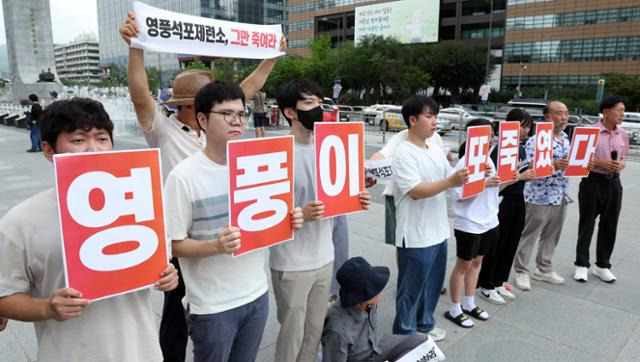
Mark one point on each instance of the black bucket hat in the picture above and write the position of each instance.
(359, 281)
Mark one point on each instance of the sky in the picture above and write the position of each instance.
(69, 18)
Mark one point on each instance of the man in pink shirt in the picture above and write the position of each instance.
(601, 193)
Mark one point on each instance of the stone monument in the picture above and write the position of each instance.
(30, 48)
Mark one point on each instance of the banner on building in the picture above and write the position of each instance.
(170, 32)
(339, 166)
(112, 220)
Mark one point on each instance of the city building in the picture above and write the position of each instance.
(467, 21)
(29, 47)
(569, 42)
(77, 62)
(112, 14)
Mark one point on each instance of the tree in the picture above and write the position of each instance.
(153, 78)
(225, 69)
(456, 67)
(624, 85)
(116, 76)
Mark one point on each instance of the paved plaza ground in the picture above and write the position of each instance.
(594, 321)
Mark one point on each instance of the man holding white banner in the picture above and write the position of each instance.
(601, 193)
(179, 135)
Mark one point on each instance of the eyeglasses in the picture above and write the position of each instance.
(230, 116)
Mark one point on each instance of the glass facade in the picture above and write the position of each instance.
(322, 4)
(298, 43)
(301, 25)
(552, 79)
(576, 50)
(480, 31)
(601, 16)
(518, 2)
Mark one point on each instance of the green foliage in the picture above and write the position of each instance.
(116, 76)
(624, 85)
(224, 69)
(153, 78)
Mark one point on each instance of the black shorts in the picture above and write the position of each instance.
(468, 245)
(260, 120)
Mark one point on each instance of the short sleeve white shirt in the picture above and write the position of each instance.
(120, 328)
(175, 139)
(477, 214)
(423, 222)
(389, 149)
(196, 196)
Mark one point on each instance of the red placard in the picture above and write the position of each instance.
(112, 220)
(508, 142)
(543, 162)
(339, 166)
(583, 148)
(261, 190)
(476, 157)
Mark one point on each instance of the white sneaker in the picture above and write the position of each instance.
(491, 295)
(581, 274)
(551, 277)
(604, 273)
(523, 282)
(505, 294)
(438, 334)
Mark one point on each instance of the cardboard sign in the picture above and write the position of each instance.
(543, 161)
(170, 32)
(583, 148)
(508, 141)
(427, 351)
(339, 166)
(261, 190)
(380, 169)
(112, 220)
(477, 155)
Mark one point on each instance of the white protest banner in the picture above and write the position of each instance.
(170, 32)
(427, 351)
(379, 169)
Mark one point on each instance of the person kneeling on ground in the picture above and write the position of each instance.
(351, 330)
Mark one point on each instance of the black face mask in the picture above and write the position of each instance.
(308, 118)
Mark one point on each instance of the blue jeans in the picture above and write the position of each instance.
(35, 137)
(421, 274)
(232, 335)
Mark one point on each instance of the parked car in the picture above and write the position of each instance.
(453, 116)
(575, 121)
(373, 114)
(358, 114)
(392, 119)
(345, 113)
(528, 103)
(631, 124)
(330, 113)
(444, 126)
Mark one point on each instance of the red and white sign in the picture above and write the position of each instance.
(261, 190)
(508, 150)
(112, 220)
(339, 166)
(583, 148)
(477, 156)
(543, 161)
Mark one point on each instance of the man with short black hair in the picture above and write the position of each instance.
(32, 282)
(34, 124)
(601, 193)
(301, 268)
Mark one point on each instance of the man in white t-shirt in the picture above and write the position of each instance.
(227, 296)
(68, 326)
(387, 152)
(421, 175)
(301, 269)
(178, 136)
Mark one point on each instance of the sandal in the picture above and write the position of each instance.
(476, 313)
(458, 320)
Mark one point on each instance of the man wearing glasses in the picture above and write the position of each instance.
(227, 296)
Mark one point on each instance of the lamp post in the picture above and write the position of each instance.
(522, 68)
(337, 80)
(489, 38)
